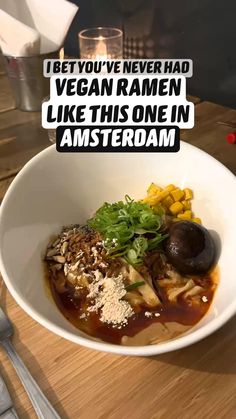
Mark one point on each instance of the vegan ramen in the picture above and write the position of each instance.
(138, 272)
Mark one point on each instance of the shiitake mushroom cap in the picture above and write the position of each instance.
(190, 248)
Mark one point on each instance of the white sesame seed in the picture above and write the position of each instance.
(148, 314)
(107, 294)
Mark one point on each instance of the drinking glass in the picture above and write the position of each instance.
(101, 43)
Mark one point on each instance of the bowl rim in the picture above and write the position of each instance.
(147, 350)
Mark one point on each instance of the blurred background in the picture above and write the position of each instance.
(201, 30)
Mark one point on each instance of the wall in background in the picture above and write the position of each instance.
(203, 30)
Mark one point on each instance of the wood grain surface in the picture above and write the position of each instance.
(196, 382)
(2, 69)
(21, 137)
(210, 131)
(7, 102)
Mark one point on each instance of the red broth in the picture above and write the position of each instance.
(182, 312)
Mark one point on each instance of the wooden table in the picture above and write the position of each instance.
(196, 382)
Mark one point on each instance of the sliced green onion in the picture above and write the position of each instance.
(134, 285)
(134, 226)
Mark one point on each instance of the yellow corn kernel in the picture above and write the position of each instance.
(181, 216)
(176, 208)
(168, 201)
(155, 199)
(186, 204)
(149, 199)
(186, 215)
(197, 220)
(177, 194)
(170, 188)
(163, 195)
(153, 189)
(188, 194)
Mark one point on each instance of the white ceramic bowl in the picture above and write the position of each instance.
(55, 189)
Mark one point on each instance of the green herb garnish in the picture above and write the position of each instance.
(131, 287)
(129, 229)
